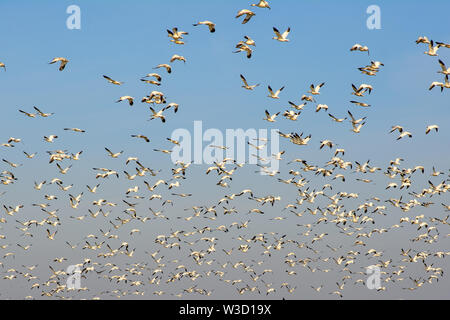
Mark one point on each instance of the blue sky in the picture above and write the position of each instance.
(125, 42)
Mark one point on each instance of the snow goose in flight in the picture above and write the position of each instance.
(242, 47)
(260, 147)
(177, 57)
(248, 15)
(281, 37)
(13, 165)
(423, 39)
(297, 139)
(336, 119)
(173, 105)
(175, 141)
(211, 25)
(42, 114)
(246, 85)
(404, 134)
(436, 173)
(62, 171)
(177, 41)
(315, 89)
(130, 99)
(375, 65)
(50, 138)
(394, 128)
(112, 81)
(261, 4)
(269, 117)
(359, 92)
(327, 143)
(15, 140)
(76, 156)
(291, 115)
(158, 114)
(297, 107)
(432, 49)
(248, 41)
(30, 115)
(94, 189)
(367, 71)
(307, 98)
(445, 70)
(156, 83)
(7, 145)
(440, 84)
(155, 75)
(361, 104)
(30, 156)
(63, 62)
(366, 87)
(51, 236)
(164, 65)
(141, 137)
(272, 94)
(358, 47)
(113, 155)
(357, 128)
(321, 107)
(355, 121)
(432, 127)
(175, 34)
(75, 130)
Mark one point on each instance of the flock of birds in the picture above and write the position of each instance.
(320, 232)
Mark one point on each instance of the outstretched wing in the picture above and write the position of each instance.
(285, 34)
(277, 32)
(244, 80)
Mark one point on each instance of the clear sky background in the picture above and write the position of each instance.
(125, 40)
